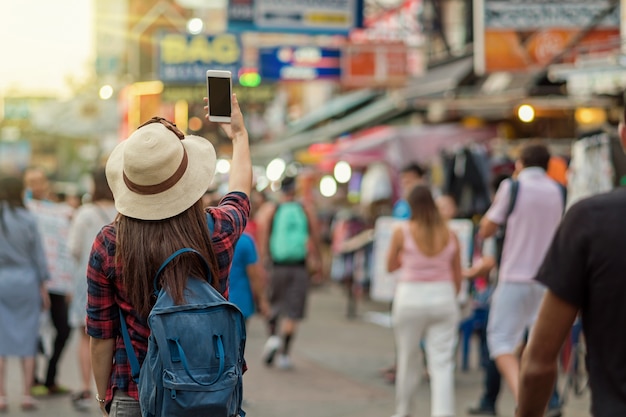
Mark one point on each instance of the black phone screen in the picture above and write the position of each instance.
(219, 96)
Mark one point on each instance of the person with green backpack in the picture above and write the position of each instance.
(288, 241)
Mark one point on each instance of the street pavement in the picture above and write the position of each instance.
(336, 370)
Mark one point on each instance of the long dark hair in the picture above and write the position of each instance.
(142, 246)
(101, 189)
(12, 190)
(11, 193)
(427, 217)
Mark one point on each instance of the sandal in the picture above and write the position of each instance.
(28, 403)
(4, 405)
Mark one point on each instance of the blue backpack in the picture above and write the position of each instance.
(194, 364)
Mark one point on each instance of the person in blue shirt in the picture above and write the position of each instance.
(410, 176)
(247, 284)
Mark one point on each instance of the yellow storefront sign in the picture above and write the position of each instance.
(180, 49)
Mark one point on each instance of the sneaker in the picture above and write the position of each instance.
(271, 347)
(284, 362)
(82, 400)
(58, 390)
(554, 412)
(39, 390)
(482, 411)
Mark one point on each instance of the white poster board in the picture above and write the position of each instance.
(464, 230)
(383, 283)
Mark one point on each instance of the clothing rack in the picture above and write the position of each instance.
(511, 147)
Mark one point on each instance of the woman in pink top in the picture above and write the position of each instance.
(427, 254)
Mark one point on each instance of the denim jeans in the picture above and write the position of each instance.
(124, 406)
(493, 379)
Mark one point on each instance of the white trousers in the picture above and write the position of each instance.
(429, 311)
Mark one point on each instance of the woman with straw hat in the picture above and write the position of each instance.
(158, 177)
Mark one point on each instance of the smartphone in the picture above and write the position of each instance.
(219, 91)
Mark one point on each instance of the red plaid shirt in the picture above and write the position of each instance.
(106, 292)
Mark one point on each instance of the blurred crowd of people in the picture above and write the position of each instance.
(519, 245)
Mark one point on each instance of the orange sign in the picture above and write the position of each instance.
(374, 65)
(532, 34)
(510, 50)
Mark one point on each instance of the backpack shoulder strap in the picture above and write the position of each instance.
(563, 194)
(514, 190)
(130, 352)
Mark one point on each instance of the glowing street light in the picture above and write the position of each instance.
(526, 113)
(195, 26)
(106, 92)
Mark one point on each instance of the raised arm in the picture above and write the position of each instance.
(240, 177)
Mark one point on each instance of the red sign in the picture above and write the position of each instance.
(374, 65)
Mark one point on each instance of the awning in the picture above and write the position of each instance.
(399, 146)
(436, 83)
(332, 108)
(441, 79)
(374, 113)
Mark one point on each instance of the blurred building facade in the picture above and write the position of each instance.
(370, 72)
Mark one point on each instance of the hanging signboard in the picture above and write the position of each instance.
(184, 59)
(374, 65)
(241, 12)
(521, 36)
(299, 63)
(304, 16)
(15, 156)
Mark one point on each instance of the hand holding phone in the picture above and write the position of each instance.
(219, 93)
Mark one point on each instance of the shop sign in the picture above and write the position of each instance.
(524, 36)
(299, 63)
(374, 65)
(305, 16)
(15, 155)
(21, 108)
(545, 14)
(588, 83)
(399, 24)
(241, 12)
(184, 59)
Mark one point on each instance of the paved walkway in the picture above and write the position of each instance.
(336, 371)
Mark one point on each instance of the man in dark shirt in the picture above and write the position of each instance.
(584, 272)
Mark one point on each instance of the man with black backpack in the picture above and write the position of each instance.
(530, 227)
(289, 245)
(487, 266)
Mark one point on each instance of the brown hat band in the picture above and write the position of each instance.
(162, 186)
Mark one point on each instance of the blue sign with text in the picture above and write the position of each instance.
(299, 63)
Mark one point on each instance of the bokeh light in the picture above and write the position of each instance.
(342, 172)
(275, 169)
(328, 186)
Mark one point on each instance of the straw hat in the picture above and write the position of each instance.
(158, 172)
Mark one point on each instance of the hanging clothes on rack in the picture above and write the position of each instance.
(465, 180)
(591, 169)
